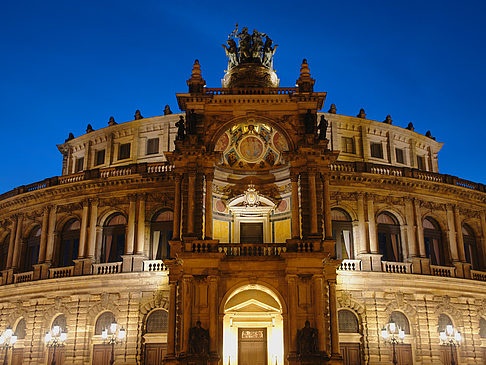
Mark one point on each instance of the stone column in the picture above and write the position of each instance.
(208, 220)
(313, 203)
(410, 228)
(90, 251)
(141, 226)
(327, 207)
(51, 236)
(83, 232)
(191, 203)
(420, 229)
(292, 285)
(11, 244)
(186, 312)
(362, 241)
(172, 319)
(176, 232)
(372, 226)
(131, 226)
(18, 243)
(213, 314)
(451, 233)
(483, 231)
(460, 237)
(43, 238)
(334, 319)
(294, 178)
(319, 311)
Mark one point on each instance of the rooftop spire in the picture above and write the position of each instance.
(196, 82)
(305, 82)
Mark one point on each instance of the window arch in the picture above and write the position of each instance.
(30, 252)
(482, 327)
(389, 237)
(69, 245)
(342, 232)
(444, 321)
(470, 247)
(401, 321)
(348, 323)
(60, 321)
(160, 234)
(113, 245)
(157, 322)
(433, 242)
(104, 321)
(4, 252)
(20, 329)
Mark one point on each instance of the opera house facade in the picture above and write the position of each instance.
(250, 229)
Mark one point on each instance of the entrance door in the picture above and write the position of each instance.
(154, 353)
(251, 232)
(404, 354)
(445, 355)
(101, 354)
(252, 346)
(351, 353)
(17, 356)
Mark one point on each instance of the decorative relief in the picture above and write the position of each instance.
(445, 306)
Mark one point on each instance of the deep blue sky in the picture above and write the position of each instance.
(68, 63)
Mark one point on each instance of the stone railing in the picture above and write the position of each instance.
(61, 272)
(445, 271)
(396, 267)
(23, 277)
(154, 265)
(68, 179)
(107, 268)
(350, 265)
(252, 249)
(251, 91)
(478, 275)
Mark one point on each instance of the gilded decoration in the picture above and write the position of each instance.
(252, 145)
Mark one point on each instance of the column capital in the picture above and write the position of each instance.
(94, 201)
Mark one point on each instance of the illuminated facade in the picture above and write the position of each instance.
(252, 216)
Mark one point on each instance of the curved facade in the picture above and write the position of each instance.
(252, 221)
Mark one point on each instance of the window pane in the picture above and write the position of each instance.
(124, 151)
(100, 157)
(79, 164)
(399, 155)
(376, 150)
(152, 146)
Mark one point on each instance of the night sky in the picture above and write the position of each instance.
(65, 64)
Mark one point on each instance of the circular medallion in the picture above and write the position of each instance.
(251, 148)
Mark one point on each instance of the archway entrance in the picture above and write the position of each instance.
(253, 327)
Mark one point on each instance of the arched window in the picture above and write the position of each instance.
(4, 252)
(433, 242)
(482, 327)
(401, 321)
(444, 321)
(113, 244)
(389, 237)
(348, 323)
(470, 247)
(103, 322)
(69, 247)
(20, 330)
(60, 321)
(342, 232)
(160, 234)
(30, 255)
(157, 322)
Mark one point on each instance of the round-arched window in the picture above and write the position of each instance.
(389, 237)
(342, 232)
(482, 327)
(4, 252)
(20, 330)
(113, 244)
(69, 248)
(161, 232)
(444, 321)
(31, 256)
(470, 247)
(433, 242)
(104, 321)
(60, 321)
(157, 322)
(401, 321)
(348, 323)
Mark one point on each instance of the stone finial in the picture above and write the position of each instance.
(429, 134)
(362, 114)
(196, 83)
(332, 109)
(410, 126)
(89, 129)
(388, 119)
(305, 82)
(70, 137)
(112, 121)
(167, 110)
(138, 115)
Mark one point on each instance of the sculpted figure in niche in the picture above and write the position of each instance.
(198, 340)
(180, 129)
(191, 118)
(307, 340)
(323, 124)
(310, 121)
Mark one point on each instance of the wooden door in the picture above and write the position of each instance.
(404, 354)
(59, 356)
(252, 346)
(351, 353)
(101, 354)
(445, 355)
(154, 353)
(17, 356)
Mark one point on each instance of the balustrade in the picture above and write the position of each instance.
(396, 267)
(107, 268)
(445, 271)
(61, 272)
(252, 249)
(350, 265)
(478, 275)
(23, 277)
(154, 265)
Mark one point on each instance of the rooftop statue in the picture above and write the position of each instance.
(250, 48)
